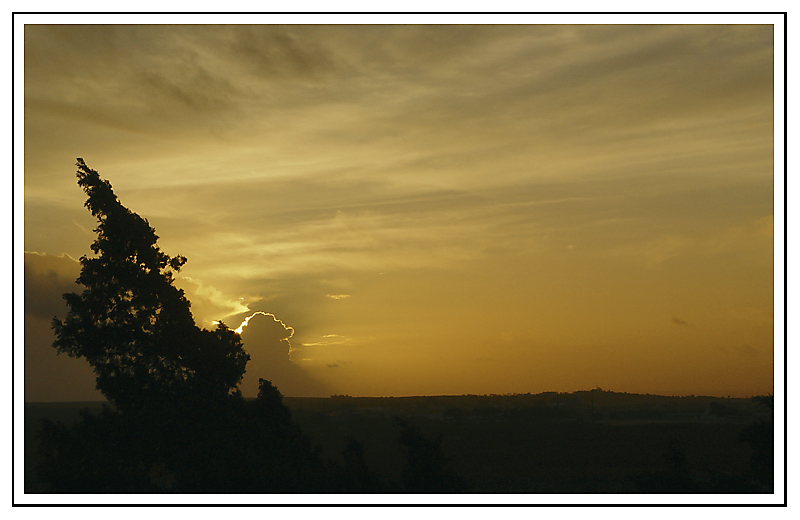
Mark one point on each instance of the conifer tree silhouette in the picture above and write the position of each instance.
(179, 423)
(132, 324)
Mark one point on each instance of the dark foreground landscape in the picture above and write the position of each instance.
(583, 442)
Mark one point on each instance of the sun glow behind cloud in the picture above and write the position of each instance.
(240, 328)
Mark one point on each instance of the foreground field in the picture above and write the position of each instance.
(597, 442)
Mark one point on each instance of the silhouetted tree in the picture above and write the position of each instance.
(179, 423)
(131, 323)
(270, 400)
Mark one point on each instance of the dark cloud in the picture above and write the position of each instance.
(47, 277)
(48, 375)
(338, 364)
(680, 322)
(267, 340)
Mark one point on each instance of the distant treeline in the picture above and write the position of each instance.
(602, 403)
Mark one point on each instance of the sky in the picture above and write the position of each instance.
(423, 209)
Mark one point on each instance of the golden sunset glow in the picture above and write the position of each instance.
(423, 209)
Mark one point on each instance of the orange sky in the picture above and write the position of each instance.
(424, 209)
